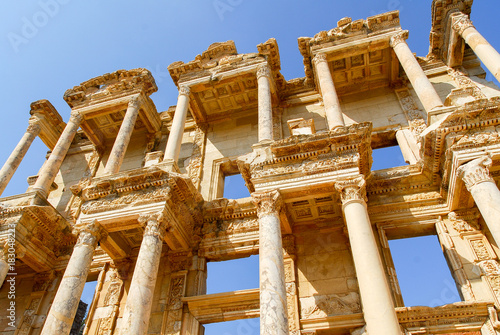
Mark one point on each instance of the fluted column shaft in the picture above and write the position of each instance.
(485, 192)
(140, 296)
(486, 53)
(265, 109)
(330, 98)
(65, 304)
(18, 154)
(273, 310)
(421, 84)
(175, 137)
(49, 170)
(376, 298)
(123, 138)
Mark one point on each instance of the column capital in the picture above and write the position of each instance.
(154, 224)
(263, 71)
(460, 22)
(352, 190)
(34, 125)
(90, 233)
(184, 90)
(399, 37)
(134, 102)
(319, 58)
(269, 202)
(475, 172)
(77, 116)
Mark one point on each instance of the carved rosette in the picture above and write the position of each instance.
(154, 224)
(460, 22)
(399, 37)
(475, 172)
(90, 233)
(352, 190)
(268, 203)
(319, 58)
(263, 71)
(184, 90)
(134, 102)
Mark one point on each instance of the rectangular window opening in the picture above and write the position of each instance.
(246, 326)
(387, 157)
(233, 275)
(234, 187)
(423, 274)
(83, 307)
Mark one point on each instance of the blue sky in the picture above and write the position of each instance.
(49, 46)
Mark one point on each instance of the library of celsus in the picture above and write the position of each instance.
(132, 198)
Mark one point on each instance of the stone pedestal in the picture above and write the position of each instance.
(17, 155)
(65, 304)
(421, 84)
(49, 170)
(173, 148)
(123, 138)
(485, 192)
(265, 104)
(330, 99)
(376, 298)
(273, 309)
(140, 296)
(486, 53)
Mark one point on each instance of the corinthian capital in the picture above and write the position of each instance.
(134, 102)
(319, 58)
(76, 116)
(475, 172)
(34, 125)
(263, 71)
(154, 224)
(460, 22)
(90, 233)
(184, 90)
(399, 37)
(352, 189)
(268, 202)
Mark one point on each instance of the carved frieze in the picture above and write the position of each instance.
(320, 306)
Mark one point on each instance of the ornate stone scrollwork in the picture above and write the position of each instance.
(460, 22)
(352, 190)
(475, 172)
(399, 37)
(154, 224)
(321, 57)
(268, 202)
(90, 233)
(134, 102)
(184, 90)
(263, 71)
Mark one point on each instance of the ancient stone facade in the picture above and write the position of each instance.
(132, 197)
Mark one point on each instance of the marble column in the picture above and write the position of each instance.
(330, 99)
(273, 309)
(376, 298)
(17, 155)
(421, 84)
(49, 170)
(486, 53)
(140, 296)
(65, 304)
(265, 109)
(123, 138)
(408, 145)
(481, 185)
(173, 148)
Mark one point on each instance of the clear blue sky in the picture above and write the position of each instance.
(47, 48)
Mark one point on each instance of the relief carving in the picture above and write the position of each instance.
(320, 306)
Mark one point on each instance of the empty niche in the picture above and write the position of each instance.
(423, 274)
(233, 275)
(244, 327)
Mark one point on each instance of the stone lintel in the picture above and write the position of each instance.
(51, 123)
